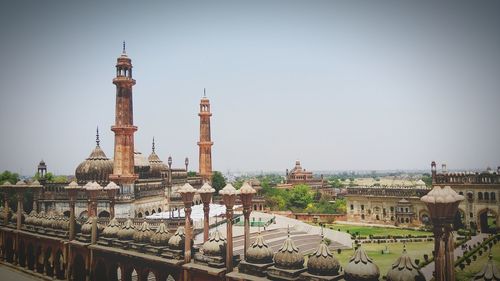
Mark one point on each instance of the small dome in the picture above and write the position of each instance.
(39, 218)
(177, 241)
(47, 221)
(155, 163)
(65, 224)
(111, 231)
(404, 270)
(127, 231)
(143, 234)
(488, 273)
(361, 268)
(161, 236)
(215, 245)
(322, 262)
(87, 226)
(259, 252)
(31, 217)
(288, 256)
(97, 167)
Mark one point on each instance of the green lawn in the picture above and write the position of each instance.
(416, 250)
(476, 266)
(377, 231)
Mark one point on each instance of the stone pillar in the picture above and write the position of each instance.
(246, 215)
(112, 208)
(229, 251)
(229, 197)
(94, 230)
(188, 231)
(20, 197)
(438, 253)
(206, 220)
(6, 208)
(449, 255)
(246, 195)
(72, 219)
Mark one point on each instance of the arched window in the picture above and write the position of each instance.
(480, 196)
(486, 196)
(493, 196)
(363, 216)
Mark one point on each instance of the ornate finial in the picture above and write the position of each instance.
(153, 147)
(204, 92)
(404, 247)
(322, 234)
(216, 224)
(97, 141)
(123, 51)
(288, 230)
(258, 227)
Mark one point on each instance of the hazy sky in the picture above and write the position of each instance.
(337, 84)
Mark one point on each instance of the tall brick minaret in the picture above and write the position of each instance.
(205, 142)
(123, 165)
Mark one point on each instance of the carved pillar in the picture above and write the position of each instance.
(246, 215)
(6, 208)
(206, 220)
(72, 219)
(20, 197)
(229, 252)
(449, 255)
(188, 228)
(438, 253)
(229, 197)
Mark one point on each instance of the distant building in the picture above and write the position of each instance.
(402, 205)
(481, 191)
(387, 205)
(298, 176)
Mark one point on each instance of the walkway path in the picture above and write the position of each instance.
(9, 274)
(429, 269)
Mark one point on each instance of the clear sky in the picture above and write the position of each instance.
(339, 85)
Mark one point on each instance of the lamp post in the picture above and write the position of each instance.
(442, 203)
(187, 193)
(186, 162)
(72, 190)
(19, 189)
(111, 190)
(229, 197)
(92, 189)
(169, 185)
(246, 195)
(206, 192)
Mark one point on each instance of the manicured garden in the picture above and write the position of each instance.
(366, 231)
(384, 259)
(477, 262)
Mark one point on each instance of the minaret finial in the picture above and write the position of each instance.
(153, 147)
(123, 51)
(288, 230)
(97, 141)
(204, 92)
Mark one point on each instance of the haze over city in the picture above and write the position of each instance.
(338, 85)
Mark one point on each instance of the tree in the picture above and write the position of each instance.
(300, 197)
(13, 178)
(191, 174)
(218, 181)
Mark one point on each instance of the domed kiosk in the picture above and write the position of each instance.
(259, 257)
(97, 167)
